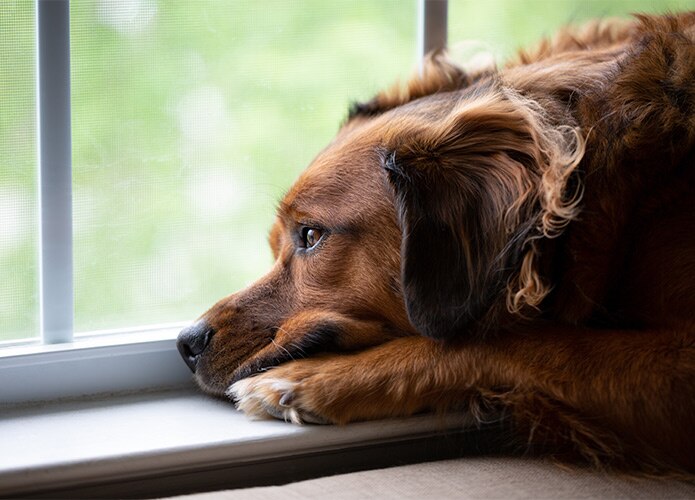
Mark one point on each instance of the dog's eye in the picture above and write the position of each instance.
(310, 237)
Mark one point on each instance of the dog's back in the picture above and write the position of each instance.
(627, 259)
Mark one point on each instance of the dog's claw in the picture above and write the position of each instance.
(286, 399)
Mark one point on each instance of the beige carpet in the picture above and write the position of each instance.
(468, 478)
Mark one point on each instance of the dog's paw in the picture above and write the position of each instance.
(335, 389)
(274, 394)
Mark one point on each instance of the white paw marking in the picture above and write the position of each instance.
(264, 396)
(261, 397)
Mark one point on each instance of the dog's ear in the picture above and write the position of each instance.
(437, 74)
(469, 191)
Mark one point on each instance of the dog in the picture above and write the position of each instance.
(516, 242)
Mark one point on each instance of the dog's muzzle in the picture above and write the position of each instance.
(192, 342)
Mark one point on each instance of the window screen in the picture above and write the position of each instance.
(190, 119)
(503, 26)
(18, 171)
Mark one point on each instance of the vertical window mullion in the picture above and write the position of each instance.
(432, 26)
(55, 170)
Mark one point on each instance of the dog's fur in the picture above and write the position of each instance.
(516, 242)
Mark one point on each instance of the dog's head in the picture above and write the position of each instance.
(419, 218)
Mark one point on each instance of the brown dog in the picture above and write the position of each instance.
(516, 241)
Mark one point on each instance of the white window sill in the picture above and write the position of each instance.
(101, 362)
(179, 441)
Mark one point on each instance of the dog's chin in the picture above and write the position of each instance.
(211, 387)
(217, 385)
(216, 382)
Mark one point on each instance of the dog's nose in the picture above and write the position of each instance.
(192, 341)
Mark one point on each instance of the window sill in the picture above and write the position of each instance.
(105, 362)
(178, 441)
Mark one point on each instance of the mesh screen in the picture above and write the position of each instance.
(18, 163)
(500, 27)
(190, 119)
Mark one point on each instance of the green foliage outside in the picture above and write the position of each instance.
(190, 119)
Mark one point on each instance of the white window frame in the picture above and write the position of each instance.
(61, 364)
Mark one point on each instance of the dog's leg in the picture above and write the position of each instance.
(591, 392)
